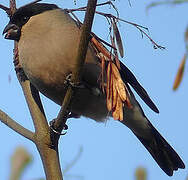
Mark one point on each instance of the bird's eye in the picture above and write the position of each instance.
(25, 18)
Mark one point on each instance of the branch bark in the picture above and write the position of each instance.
(4, 118)
(80, 59)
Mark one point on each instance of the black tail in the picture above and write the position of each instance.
(163, 153)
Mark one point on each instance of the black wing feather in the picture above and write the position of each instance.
(128, 77)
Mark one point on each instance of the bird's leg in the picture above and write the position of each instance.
(69, 82)
(65, 127)
(52, 122)
(82, 85)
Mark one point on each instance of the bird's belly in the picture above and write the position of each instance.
(84, 102)
(47, 66)
(51, 83)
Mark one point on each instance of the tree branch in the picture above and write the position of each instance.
(80, 59)
(4, 118)
(4, 7)
(42, 139)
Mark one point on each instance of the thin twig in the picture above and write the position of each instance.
(4, 7)
(152, 41)
(79, 23)
(4, 118)
(12, 7)
(139, 27)
(111, 16)
(101, 4)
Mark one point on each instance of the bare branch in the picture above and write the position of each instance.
(84, 40)
(141, 28)
(101, 4)
(42, 138)
(4, 118)
(35, 107)
(155, 45)
(12, 7)
(4, 8)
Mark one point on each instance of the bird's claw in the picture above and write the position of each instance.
(68, 81)
(65, 127)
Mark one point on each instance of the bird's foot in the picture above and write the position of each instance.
(68, 82)
(64, 131)
(65, 127)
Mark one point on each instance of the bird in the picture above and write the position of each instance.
(48, 39)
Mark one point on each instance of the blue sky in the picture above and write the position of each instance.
(111, 151)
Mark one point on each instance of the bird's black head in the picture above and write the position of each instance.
(21, 16)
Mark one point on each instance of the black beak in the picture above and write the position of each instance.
(12, 32)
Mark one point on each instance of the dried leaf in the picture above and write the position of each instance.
(109, 104)
(115, 114)
(121, 90)
(117, 61)
(118, 111)
(107, 55)
(101, 48)
(102, 72)
(118, 38)
(115, 93)
(109, 69)
(180, 72)
(121, 112)
(119, 83)
(115, 71)
(109, 88)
